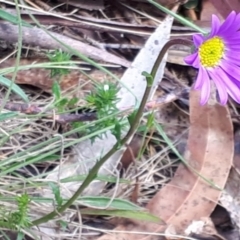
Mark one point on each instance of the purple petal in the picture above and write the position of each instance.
(205, 92)
(196, 63)
(231, 36)
(198, 39)
(202, 76)
(231, 69)
(229, 43)
(215, 25)
(231, 58)
(234, 48)
(191, 58)
(232, 29)
(235, 25)
(230, 84)
(228, 23)
(222, 91)
(203, 84)
(237, 21)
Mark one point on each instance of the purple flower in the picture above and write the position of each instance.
(218, 59)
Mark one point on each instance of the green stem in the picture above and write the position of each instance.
(164, 50)
(93, 172)
(179, 18)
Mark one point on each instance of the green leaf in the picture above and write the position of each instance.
(73, 102)
(20, 236)
(150, 120)
(59, 56)
(63, 224)
(56, 89)
(23, 201)
(139, 215)
(13, 19)
(102, 202)
(63, 102)
(117, 131)
(148, 77)
(103, 178)
(9, 115)
(131, 117)
(15, 88)
(56, 191)
(52, 157)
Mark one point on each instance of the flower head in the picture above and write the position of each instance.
(218, 59)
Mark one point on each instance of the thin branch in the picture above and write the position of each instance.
(60, 118)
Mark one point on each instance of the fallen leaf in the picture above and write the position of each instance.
(207, 10)
(188, 196)
(41, 77)
(209, 151)
(224, 7)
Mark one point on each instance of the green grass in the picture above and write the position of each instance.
(33, 142)
(16, 200)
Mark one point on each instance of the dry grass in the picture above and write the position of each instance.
(33, 146)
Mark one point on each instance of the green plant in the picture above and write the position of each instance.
(103, 99)
(18, 219)
(59, 56)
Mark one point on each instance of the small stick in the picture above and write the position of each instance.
(86, 116)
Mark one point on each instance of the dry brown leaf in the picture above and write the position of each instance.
(210, 152)
(207, 10)
(224, 7)
(188, 197)
(41, 77)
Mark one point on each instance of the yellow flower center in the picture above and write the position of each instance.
(211, 52)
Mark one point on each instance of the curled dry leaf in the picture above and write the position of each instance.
(188, 196)
(209, 152)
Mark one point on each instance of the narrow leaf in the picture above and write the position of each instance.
(139, 215)
(13, 19)
(15, 88)
(104, 201)
(5, 116)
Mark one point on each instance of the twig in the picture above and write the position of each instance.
(38, 37)
(88, 116)
(60, 118)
